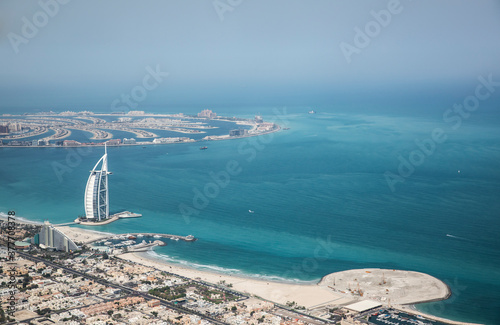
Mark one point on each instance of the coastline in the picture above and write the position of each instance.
(280, 292)
(19, 219)
(307, 295)
(312, 296)
(412, 309)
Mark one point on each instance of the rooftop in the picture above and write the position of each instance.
(363, 305)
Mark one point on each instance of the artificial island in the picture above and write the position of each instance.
(72, 129)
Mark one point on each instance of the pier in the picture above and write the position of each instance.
(185, 238)
(188, 238)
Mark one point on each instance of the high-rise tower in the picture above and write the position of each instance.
(96, 199)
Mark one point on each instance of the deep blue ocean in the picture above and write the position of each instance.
(319, 193)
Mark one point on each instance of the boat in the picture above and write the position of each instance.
(251, 211)
(312, 112)
(140, 235)
(190, 238)
(132, 237)
(108, 243)
(157, 236)
(141, 247)
(160, 243)
(203, 148)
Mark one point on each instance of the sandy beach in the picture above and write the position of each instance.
(401, 287)
(79, 235)
(19, 219)
(317, 295)
(304, 295)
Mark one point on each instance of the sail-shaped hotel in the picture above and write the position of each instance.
(96, 193)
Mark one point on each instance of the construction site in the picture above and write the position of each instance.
(388, 286)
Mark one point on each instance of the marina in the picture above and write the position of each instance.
(396, 317)
(131, 243)
(188, 238)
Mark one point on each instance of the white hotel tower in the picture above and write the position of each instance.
(96, 193)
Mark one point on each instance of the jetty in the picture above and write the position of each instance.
(188, 238)
(174, 237)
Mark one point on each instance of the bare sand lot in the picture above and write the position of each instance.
(401, 287)
(79, 235)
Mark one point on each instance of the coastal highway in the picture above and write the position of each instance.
(118, 286)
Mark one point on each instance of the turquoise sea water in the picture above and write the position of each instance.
(320, 199)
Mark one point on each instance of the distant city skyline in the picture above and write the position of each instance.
(76, 55)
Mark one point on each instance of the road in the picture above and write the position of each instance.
(128, 290)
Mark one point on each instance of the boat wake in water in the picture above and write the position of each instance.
(457, 237)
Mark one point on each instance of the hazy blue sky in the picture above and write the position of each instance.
(263, 52)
